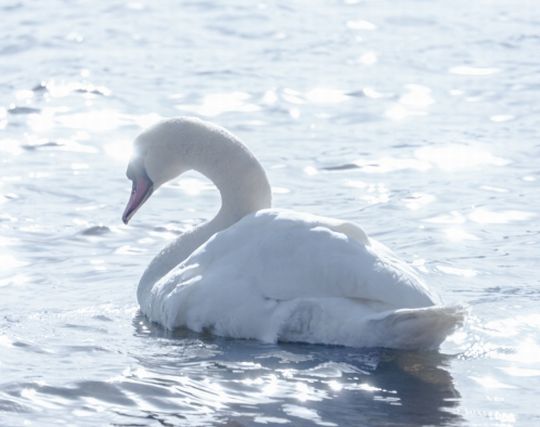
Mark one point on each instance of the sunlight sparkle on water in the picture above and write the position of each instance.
(10, 146)
(3, 117)
(417, 96)
(390, 164)
(418, 128)
(295, 113)
(520, 372)
(193, 186)
(369, 92)
(270, 97)
(280, 190)
(9, 262)
(58, 89)
(311, 170)
(455, 157)
(44, 121)
(467, 70)
(334, 385)
(270, 420)
(24, 95)
(355, 184)
(486, 216)
(414, 102)
(361, 24)
(306, 414)
(527, 350)
(271, 386)
(456, 234)
(215, 104)
(120, 151)
(321, 95)
(368, 387)
(6, 341)
(490, 382)
(377, 192)
(368, 58)
(500, 118)
(464, 272)
(416, 201)
(453, 217)
(93, 121)
(292, 96)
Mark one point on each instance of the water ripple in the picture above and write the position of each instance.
(372, 114)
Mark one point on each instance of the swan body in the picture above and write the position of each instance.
(272, 274)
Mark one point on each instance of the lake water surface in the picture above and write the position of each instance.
(416, 119)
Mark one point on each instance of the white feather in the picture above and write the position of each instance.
(274, 274)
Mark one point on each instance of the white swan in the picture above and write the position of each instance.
(271, 274)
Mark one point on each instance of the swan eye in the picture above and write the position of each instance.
(134, 169)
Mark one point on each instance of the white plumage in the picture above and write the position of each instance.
(272, 274)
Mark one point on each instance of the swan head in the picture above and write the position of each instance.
(161, 153)
(174, 146)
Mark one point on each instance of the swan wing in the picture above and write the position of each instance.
(286, 255)
(280, 275)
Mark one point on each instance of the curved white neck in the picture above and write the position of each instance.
(243, 186)
(239, 177)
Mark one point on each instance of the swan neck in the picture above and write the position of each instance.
(243, 187)
(238, 176)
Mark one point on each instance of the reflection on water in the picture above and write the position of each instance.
(294, 382)
(367, 111)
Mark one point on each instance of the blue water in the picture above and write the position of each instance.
(418, 120)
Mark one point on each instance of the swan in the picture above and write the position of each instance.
(271, 274)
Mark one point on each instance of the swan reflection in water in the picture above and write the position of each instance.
(200, 379)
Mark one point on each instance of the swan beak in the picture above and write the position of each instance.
(141, 190)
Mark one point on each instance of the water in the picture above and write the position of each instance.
(418, 120)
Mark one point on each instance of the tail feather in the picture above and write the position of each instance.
(347, 322)
(417, 328)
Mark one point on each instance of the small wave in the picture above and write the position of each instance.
(48, 144)
(22, 110)
(344, 166)
(96, 230)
